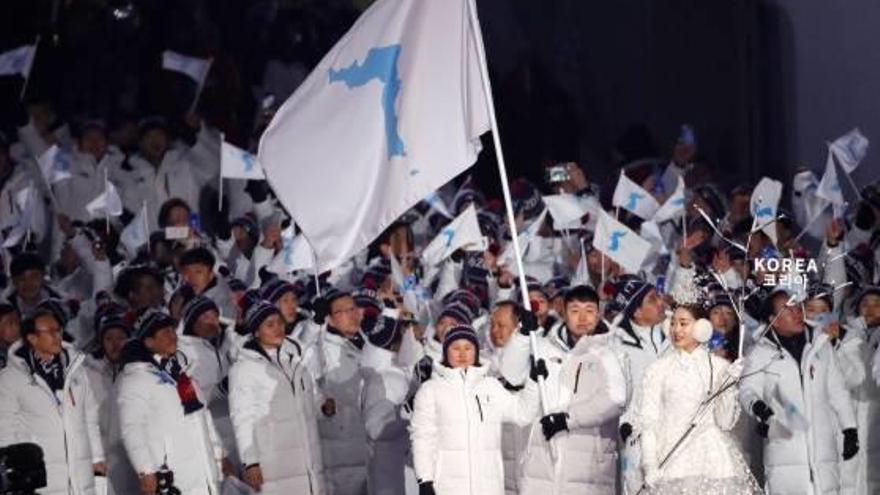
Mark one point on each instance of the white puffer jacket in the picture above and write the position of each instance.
(274, 408)
(797, 461)
(155, 430)
(589, 382)
(63, 424)
(139, 181)
(335, 363)
(86, 182)
(386, 390)
(122, 478)
(456, 429)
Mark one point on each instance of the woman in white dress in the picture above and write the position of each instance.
(689, 404)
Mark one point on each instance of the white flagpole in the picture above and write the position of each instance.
(28, 77)
(147, 225)
(508, 203)
(200, 86)
(220, 188)
(106, 202)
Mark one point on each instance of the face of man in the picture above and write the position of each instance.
(207, 326)
(869, 309)
(146, 293)
(10, 328)
(29, 284)
(163, 342)
(46, 338)
(178, 217)
(94, 142)
(345, 316)
(112, 343)
(815, 307)
(789, 318)
(652, 311)
(198, 276)
(581, 318)
(271, 332)
(442, 326)
(288, 304)
(153, 145)
(540, 305)
(504, 323)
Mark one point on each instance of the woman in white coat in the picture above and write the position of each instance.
(46, 399)
(273, 407)
(456, 425)
(690, 393)
(164, 424)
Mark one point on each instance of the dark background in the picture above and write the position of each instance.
(765, 83)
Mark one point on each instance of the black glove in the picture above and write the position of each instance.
(426, 488)
(626, 430)
(762, 411)
(528, 323)
(538, 368)
(850, 443)
(258, 190)
(321, 309)
(552, 424)
(763, 430)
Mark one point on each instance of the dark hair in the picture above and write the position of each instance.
(29, 325)
(696, 310)
(197, 256)
(169, 205)
(129, 278)
(581, 293)
(26, 261)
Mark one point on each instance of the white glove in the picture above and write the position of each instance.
(735, 369)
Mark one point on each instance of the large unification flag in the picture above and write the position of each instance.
(18, 61)
(236, 163)
(850, 149)
(633, 198)
(55, 165)
(391, 113)
(765, 204)
(193, 67)
(619, 243)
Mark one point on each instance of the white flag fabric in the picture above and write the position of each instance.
(619, 243)
(295, 254)
(829, 187)
(674, 206)
(850, 149)
(136, 233)
(55, 164)
(108, 203)
(582, 272)
(236, 163)
(765, 204)
(437, 203)
(526, 235)
(391, 113)
(193, 67)
(566, 210)
(461, 233)
(18, 61)
(633, 198)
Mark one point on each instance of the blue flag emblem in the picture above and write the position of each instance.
(450, 234)
(288, 251)
(380, 64)
(62, 162)
(678, 202)
(614, 242)
(634, 198)
(764, 211)
(248, 160)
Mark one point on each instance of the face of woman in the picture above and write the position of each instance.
(271, 332)
(723, 318)
(288, 305)
(112, 342)
(461, 354)
(682, 330)
(815, 307)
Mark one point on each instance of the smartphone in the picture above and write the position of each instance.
(176, 233)
(556, 174)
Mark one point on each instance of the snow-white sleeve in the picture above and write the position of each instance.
(726, 408)
(649, 411)
(514, 364)
(423, 432)
(262, 257)
(11, 429)
(839, 395)
(594, 406)
(134, 410)
(92, 408)
(244, 405)
(381, 412)
(521, 408)
(849, 357)
(751, 385)
(876, 366)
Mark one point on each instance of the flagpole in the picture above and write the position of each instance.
(106, 202)
(30, 68)
(220, 188)
(200, 86)
(845, 172)
(508, 203)
(147, 226)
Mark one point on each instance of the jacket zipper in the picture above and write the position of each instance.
(577, 377)
(479, 406)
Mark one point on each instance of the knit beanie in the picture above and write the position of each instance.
(194, 309)
(150, 322)
(459, 332)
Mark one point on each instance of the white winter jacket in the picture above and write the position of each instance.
(797, 461)
(155, 430)
(139, 181)
(274, 408)
(456, 429)
(64, 424)
(86, 182)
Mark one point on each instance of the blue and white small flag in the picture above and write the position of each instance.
(567, 210)
(619, 243)
(633, 198)
(18, 61)
(850, 149)
(829, 187)
(765, 205)
(295, 254)
(55, 164)
(674, 206)
(108, 203)
(136, 234)
(193, 67)
(236, 163)
(461, 233)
